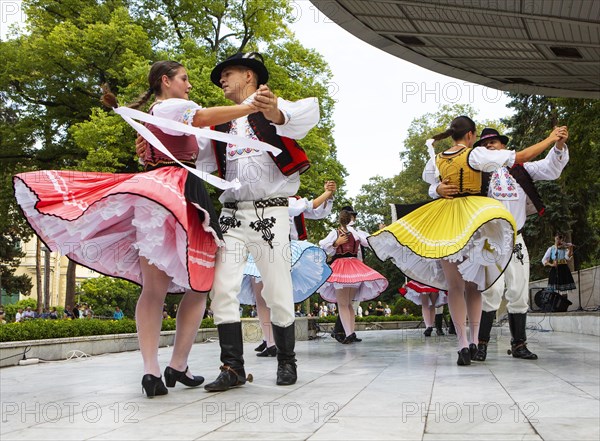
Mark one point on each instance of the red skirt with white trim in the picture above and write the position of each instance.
(106, 221)
(349, 272)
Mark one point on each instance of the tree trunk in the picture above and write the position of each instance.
(70, 296)
(38, 275)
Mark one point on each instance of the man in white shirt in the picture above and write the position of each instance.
(255, 216)
(515, 189)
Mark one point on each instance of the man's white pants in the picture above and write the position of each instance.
(513, 283)
(274, 265)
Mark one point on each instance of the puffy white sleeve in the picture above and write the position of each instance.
(549, 168)
(327, 243)
(432, 178)
(178, 110)
(360, 235)
(320, 212)
(299, 117)
(298, 206)
(486, 160)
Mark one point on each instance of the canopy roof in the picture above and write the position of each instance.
(546, 47)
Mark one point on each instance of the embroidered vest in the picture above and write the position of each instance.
(349, 248)
(292, 158)
(525, 180)
(456, 167)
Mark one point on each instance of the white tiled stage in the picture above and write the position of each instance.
(395, 385)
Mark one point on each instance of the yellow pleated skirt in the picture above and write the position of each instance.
(476, 232)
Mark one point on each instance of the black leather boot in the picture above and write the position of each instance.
(232, 356)
(438, 324)
(485, 328)
(338, 330)
(518, 345)
(285, 340)
(428, 332)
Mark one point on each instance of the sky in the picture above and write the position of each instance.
(377, 94)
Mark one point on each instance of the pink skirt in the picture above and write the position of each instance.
(349, 272)
(106, 221)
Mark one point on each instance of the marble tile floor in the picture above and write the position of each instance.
(395, 385)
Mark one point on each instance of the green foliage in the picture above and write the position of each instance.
(573, 201)
(373, 318)
(40, 329)
(11, 310)
(411, 307)
(104, 293)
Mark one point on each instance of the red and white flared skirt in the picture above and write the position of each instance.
(106, 221)
(349, 272)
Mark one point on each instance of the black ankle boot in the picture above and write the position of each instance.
(481, 351)
(428, 332)
(338, 330)
(472, 350)
(438, 324)
(232, 350)
(271, 351)
(285, 340)
(173, 375)
(153, 386)
(261, 347)
(464, 357)
(518, 345)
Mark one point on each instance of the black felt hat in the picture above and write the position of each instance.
(252, 60)
(349, 209)
(489, 133)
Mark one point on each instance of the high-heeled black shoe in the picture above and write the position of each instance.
(153, 386)
(271, 351)
(261, 347)
(464, 357)
(173, 375)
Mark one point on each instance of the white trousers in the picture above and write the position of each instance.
(274, 264)
(513, 283)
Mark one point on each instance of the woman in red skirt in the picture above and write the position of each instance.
(351, 279)
(157, 228)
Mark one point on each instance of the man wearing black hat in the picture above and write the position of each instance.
(515, 189)
(255, 216)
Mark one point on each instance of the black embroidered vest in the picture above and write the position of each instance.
(292, 158)
(524, 179)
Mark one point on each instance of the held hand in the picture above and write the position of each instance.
(141, 145)
(558, 133)
(560, 144)
(382, 226)
(265, 101)
(330, 186)
(447, 190)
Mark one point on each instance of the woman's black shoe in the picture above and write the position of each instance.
(173, 375)
(350, 339)
(355, 338)
(153, 386)
(261, 347)
(428, 332)
(271, 351)
(464, 357)
(473, 350)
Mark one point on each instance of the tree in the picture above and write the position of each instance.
(104, 293)
(572, 202)
(52, 74)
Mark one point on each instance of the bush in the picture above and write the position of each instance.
(40, 329)
(372, 318)
(411, 307)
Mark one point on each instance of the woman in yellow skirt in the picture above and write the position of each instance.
(459, 245)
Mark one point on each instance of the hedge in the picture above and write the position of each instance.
(40, 329)
(373, 318)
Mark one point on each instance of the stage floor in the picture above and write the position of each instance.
(395, 385)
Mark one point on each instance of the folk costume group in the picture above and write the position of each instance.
(159, 229)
